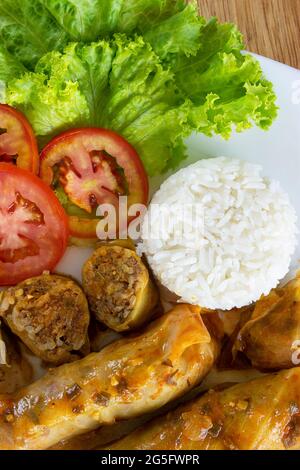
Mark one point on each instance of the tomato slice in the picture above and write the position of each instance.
(33, 226)
(18, 144)
(88, 167)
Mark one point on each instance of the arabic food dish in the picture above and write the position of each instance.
(233, 246)
(118, 286)
(263, 414)
(128, 378)
(99, 100)
(50, 314)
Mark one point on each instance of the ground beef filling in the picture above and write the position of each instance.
(51, 312)
(113, 276)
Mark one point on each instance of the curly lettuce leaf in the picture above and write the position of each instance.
(219, 45)
(86, 20)
(118, 84)
(170, 26)
(50, 109)
(227, 87)
(136, 14)
(28, 30)
(176, 74)
(10, 67)
(217, 116)
(178, 34)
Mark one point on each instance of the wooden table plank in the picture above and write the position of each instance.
(271, 27)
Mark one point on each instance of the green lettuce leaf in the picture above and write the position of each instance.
(10, 67)
(86, 20)
(227, 87)
(137, 14)
(50, 109)
(171, 74)
(219, 57)
(118, 84)
(170, 26)
(176, 35)
(28, 31)
(217, 116)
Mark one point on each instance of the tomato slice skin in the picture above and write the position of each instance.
(74, 153)
(33, 226)
(17, 140)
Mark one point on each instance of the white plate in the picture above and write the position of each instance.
(277, 150)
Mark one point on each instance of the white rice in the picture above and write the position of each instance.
(239, 246)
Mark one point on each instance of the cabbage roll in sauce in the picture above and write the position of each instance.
(270, 339)
(263, 414)
(128, 378)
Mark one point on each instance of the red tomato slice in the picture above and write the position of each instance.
(17, 141)
(92, 166)
(33, 226)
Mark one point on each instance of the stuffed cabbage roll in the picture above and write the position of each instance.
(128, 378)
(270, 338)
(263, 414)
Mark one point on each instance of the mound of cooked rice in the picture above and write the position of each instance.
(218, 234)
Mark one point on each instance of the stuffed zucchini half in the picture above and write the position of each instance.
(119, 288)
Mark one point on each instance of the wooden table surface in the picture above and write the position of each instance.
(270, 27)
